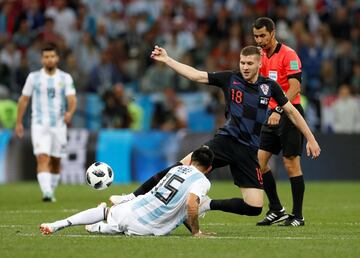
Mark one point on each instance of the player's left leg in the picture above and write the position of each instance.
(55, 172)
(41, 141)
(86, 217)
(250, 205)
(293, 168)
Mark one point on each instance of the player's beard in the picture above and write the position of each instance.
(50, 69)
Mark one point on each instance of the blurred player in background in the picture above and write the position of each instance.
(280, 63)
(247, 96)
(173, 201)
(53, 106)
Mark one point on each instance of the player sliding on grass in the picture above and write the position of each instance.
(173, 201)
(247, 95)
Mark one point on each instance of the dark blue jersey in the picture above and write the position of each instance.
(246, 104)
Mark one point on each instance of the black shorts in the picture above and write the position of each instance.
(243, 161)
(285, 137)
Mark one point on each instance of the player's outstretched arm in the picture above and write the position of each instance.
(160, 54)
(312, 147)
(22, 105)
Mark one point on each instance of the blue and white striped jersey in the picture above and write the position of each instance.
(48, 94)
(164, 208)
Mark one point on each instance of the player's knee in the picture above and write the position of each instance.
(253, 210)
(264, 169)
(292, 166)
(43, 159)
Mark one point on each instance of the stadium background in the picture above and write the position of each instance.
(105, 46)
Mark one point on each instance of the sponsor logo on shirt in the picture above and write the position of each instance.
(264, 88)
(273, 75)
(294, 65)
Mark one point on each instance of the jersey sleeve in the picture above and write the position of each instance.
(200, 188)
(70, 87)
(278, 94)
(219, 79)
(29, 86)
(292, 63)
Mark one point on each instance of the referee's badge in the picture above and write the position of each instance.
(264, 88)
(273, 75)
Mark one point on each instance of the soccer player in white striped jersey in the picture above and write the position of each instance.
(53, 105)
(172, 202)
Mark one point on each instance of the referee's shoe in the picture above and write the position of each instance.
(273, 217)
(293, 221)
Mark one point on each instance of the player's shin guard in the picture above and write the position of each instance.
(152, 181)
(235, 205)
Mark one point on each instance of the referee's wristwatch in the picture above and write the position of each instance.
(278, 110)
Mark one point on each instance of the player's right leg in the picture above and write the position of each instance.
(41, 141)
(149, 184)
(44, 177)
(55, 172)
(86, 217)
(269, 145)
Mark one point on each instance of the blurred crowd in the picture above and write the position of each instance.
(105, 46)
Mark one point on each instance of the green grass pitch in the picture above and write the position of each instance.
(331, 210)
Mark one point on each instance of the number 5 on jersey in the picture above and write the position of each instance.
(172, 185)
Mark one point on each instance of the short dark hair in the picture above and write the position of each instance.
(264, 22)
(203, 157)
(49, 47)
(250, 50)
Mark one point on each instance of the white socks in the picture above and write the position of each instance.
(48, 182)
(44, 179)
(89, 216)
(55, 178)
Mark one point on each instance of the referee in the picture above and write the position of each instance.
(280, 63)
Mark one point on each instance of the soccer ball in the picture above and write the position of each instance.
(99, 176)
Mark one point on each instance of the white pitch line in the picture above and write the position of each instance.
(210, 237)
(216, 224)
(38, 211)
(12, 226)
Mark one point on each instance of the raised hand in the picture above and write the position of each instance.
(159, 54)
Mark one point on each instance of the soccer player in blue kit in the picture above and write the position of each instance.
(247, 95)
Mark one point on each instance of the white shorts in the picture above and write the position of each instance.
(49, 140)
(124, 220)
